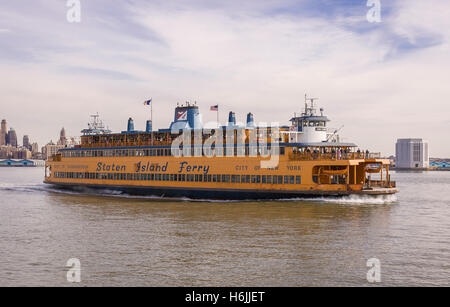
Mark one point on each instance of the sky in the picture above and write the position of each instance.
(380, 80)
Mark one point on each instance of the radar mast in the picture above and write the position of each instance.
(95, 126)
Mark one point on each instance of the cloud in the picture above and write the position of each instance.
(379, 80)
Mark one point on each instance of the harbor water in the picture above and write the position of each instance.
(121, 240)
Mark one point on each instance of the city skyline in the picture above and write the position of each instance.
(253, 57)
(5, 138)
(26, 140)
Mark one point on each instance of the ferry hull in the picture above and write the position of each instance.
(220, 194)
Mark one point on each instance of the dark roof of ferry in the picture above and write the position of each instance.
(321, 118)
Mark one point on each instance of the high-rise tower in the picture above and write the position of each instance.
(12, 137)
(26, 142)
(3, 133)
(62, 137)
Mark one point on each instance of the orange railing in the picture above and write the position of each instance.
(381, 184)
(328, 156)
(55, 158)
(126, 144)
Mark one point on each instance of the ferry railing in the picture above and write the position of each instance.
(374, 155)
(55, 158)
(381, 184)
(126, 144)
(328, 156)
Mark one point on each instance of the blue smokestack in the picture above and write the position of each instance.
(186, 117)
(130, 125)
(148, 127)
(250, 120)
(231, 119)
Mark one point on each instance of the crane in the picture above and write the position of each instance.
(334, 133)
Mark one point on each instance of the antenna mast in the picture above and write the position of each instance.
(311, 110)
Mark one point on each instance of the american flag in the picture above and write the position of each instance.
(214, 108)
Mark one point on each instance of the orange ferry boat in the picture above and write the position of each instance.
(235, 161)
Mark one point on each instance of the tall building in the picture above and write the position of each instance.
(26, 142)
(411, 153)
(34, 148)
(12, 138)
(3, 133)
(62, 137)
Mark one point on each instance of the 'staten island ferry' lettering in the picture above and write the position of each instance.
(235, 161)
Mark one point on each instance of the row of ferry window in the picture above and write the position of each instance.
(252, 150)
(267, 179)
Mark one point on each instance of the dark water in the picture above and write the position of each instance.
(125, 241)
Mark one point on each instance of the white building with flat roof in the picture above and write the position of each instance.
(411, 153)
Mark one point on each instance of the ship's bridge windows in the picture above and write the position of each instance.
(314, 123)
(320, 123)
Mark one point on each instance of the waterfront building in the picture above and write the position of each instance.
(411, 153)
(21, 153)
(440, 164)
(51, 149)
(6, 152)
(10, 152)
(21, 162)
